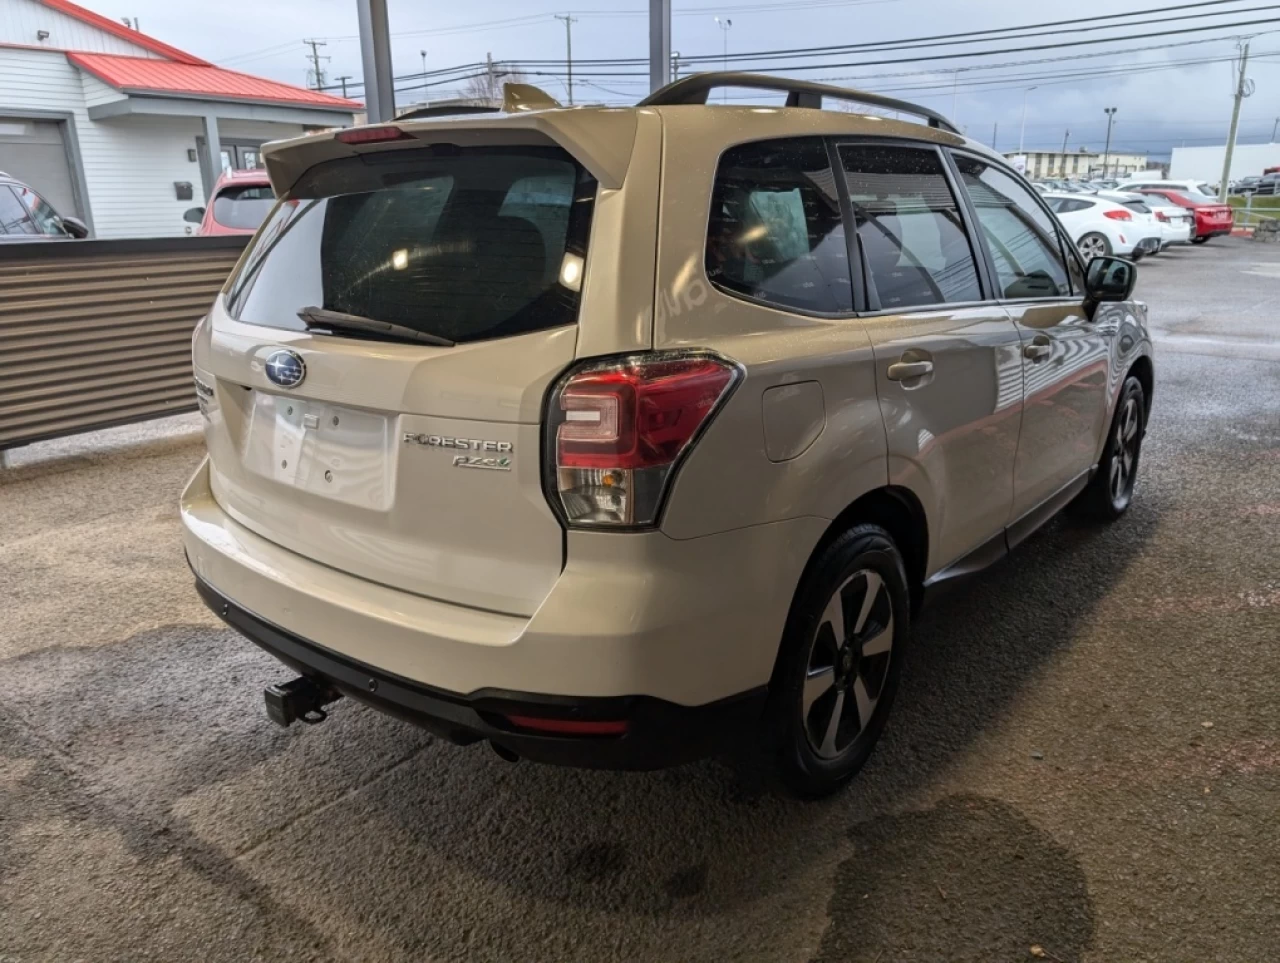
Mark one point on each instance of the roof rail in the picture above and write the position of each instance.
(800, 93)
(446, 110)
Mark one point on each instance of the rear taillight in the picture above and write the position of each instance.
(1161, 217)
(617, 429)
(1118, 215)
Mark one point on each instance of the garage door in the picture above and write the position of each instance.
(33, 152)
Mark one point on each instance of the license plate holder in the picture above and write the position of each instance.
(324, 449)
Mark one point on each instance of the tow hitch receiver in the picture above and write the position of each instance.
(300, 699)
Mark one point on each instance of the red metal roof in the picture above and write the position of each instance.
(204, 80)
(118, 29)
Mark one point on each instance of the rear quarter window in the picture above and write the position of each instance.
(775, 234)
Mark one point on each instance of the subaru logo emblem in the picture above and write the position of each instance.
(286, 369)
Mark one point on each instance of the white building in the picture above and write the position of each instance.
(1079, 163)
(126, 132)
(1205, 163)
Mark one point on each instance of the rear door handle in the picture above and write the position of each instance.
(907, 370)
(1039, 349)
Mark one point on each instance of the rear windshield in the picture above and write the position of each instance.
(463, 243)
(243, 207)
(1137, 206)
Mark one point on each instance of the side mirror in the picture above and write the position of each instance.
(193, 215)
(1109, 279)
(75, 227)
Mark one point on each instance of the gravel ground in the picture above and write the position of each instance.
(1085, 755)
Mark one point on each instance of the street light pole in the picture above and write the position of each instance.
(724, 26)
(1023, 135)
(1106, 153)
(426, 91)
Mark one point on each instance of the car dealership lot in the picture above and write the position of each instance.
(1085, 754)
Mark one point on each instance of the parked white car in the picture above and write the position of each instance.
(1100, 227)
(1135, 181)
(1177, 224)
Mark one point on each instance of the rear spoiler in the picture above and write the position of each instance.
(600, 138)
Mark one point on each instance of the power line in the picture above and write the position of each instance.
(1076, 25)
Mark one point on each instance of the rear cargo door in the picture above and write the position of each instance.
(379, 365)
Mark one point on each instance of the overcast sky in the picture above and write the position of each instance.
(1156, 109)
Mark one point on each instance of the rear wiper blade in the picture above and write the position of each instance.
(317, 318)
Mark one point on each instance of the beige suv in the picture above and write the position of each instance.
(615, 437)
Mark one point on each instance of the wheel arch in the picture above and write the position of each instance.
(1144, 371)
(899, 512)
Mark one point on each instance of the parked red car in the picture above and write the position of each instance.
(1212, 218)
(241, 202)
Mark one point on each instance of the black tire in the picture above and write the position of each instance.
(1200, 240)
(1093, 245)
(813, 757)
(1110, 491)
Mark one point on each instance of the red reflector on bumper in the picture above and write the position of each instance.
(572, 727)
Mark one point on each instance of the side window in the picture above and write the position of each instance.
(42, 213)
(909, 226)
(1026, 244)
(775, 234)
(14, 218)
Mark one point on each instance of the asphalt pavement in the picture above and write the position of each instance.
(1084, 756)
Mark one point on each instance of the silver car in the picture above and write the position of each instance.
(618, 437)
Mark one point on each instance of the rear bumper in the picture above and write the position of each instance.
(658, 733)
(688, 622)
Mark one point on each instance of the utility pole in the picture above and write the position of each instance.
(1106, 154)
(659, 43)
(1243, 89)
(491, 81)
(675, 65)
(343, 81)
(995, 130)
(375, 57)
(568, 47)
(1023, 135)
(1273, 130)
(725, 26)
(1064, 152)
(315, 59)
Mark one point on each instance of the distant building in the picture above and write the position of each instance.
(1205, 163)
(1079, 163)
(126, 132)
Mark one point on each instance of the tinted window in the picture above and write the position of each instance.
(1024, 240)
(1068, 205)
(464, 243)
(1137, 206)
(14, 218)
(243, 206)
(909, 226)
(775, 232)
(46, 218)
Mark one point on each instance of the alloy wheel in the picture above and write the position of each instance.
(848, 664)
(1124, 453)
(1093, 245)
